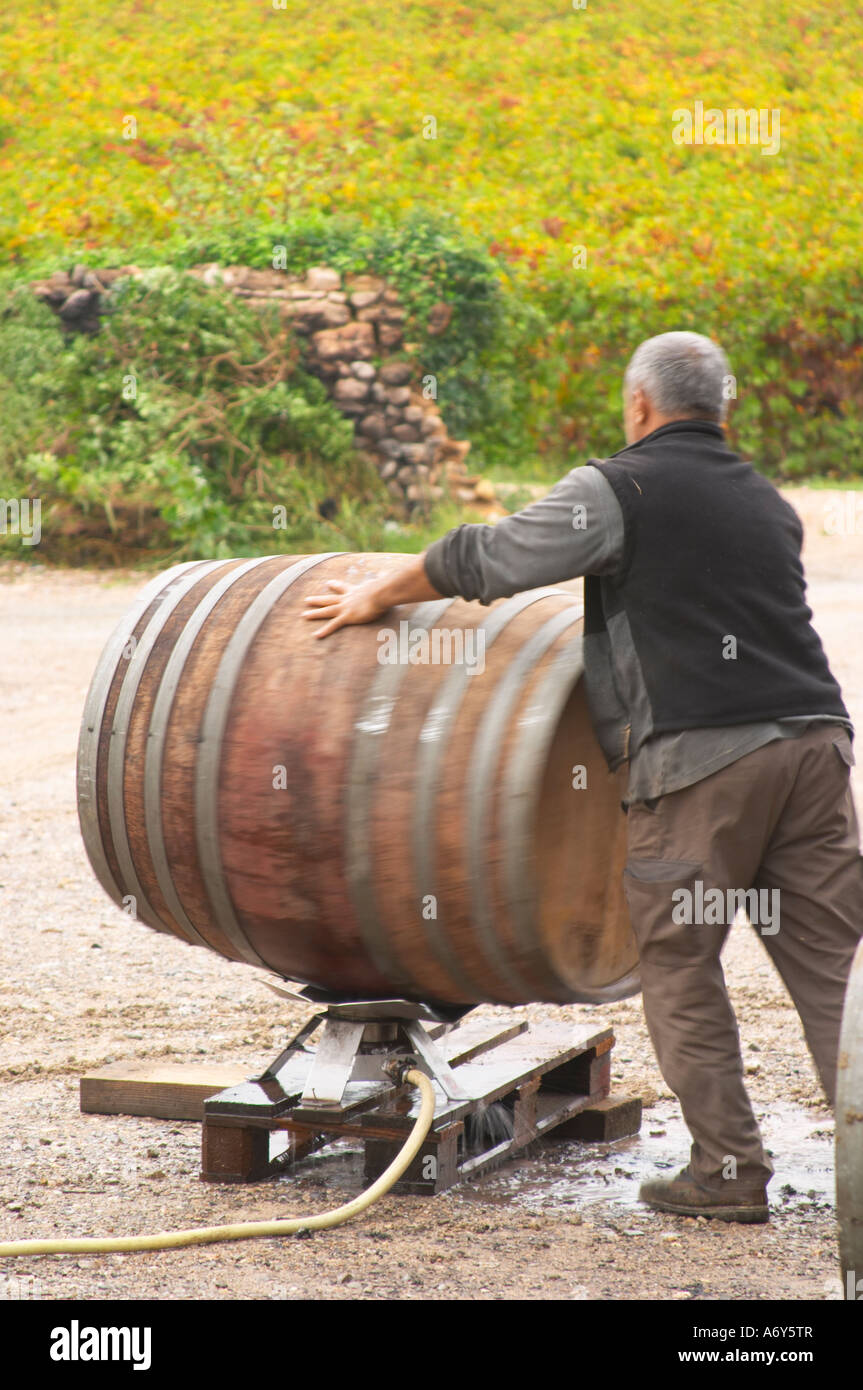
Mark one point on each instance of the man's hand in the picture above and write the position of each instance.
(345, 604)
(363, 603)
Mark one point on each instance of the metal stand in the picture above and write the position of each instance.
(537, 1078)
(359, 1037)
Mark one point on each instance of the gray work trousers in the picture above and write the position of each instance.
(781, 818)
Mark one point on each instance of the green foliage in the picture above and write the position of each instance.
(795, 347)
(188, 419)
(178, 428)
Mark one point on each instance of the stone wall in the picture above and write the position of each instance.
(352, 332)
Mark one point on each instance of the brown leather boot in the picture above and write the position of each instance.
(684, 1196)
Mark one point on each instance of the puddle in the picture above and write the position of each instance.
(603, 1179)
(567, 1175)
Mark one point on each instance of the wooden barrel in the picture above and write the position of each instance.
(849, 1134)
(368, 813)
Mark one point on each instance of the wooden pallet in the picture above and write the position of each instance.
(550, 1077)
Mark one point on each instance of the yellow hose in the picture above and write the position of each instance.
(204, 1235)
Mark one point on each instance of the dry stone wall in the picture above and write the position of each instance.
(352, 331)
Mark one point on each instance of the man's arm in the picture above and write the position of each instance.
(576, 529)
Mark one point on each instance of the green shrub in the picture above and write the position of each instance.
(178, 428)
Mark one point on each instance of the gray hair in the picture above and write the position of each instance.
(682, 374)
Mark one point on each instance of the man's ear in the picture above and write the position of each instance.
(640, 408)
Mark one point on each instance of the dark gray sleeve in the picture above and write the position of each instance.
(576, 529)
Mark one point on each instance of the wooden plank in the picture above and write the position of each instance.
(161, 1090)
(603, 1121)
(478, 1035)
(553, 1108)
(234, 1155)
(478, 1164)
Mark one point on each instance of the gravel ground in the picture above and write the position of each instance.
(81, 985)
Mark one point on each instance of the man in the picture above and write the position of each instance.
(703, 672)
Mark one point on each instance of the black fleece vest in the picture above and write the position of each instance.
(710, 593)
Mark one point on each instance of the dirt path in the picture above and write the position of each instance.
(81, 985)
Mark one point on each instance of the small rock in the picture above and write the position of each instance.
(416, 493)
(349, 389)
(363, 370)
(360, 283)
(398, 395)
(320, 277)
(414, 453)
(334, 315)
(389, 336)
(373, 426)
(396, 373)
(77, 304)
(52, 294)
(439, 319)
(350, 342)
